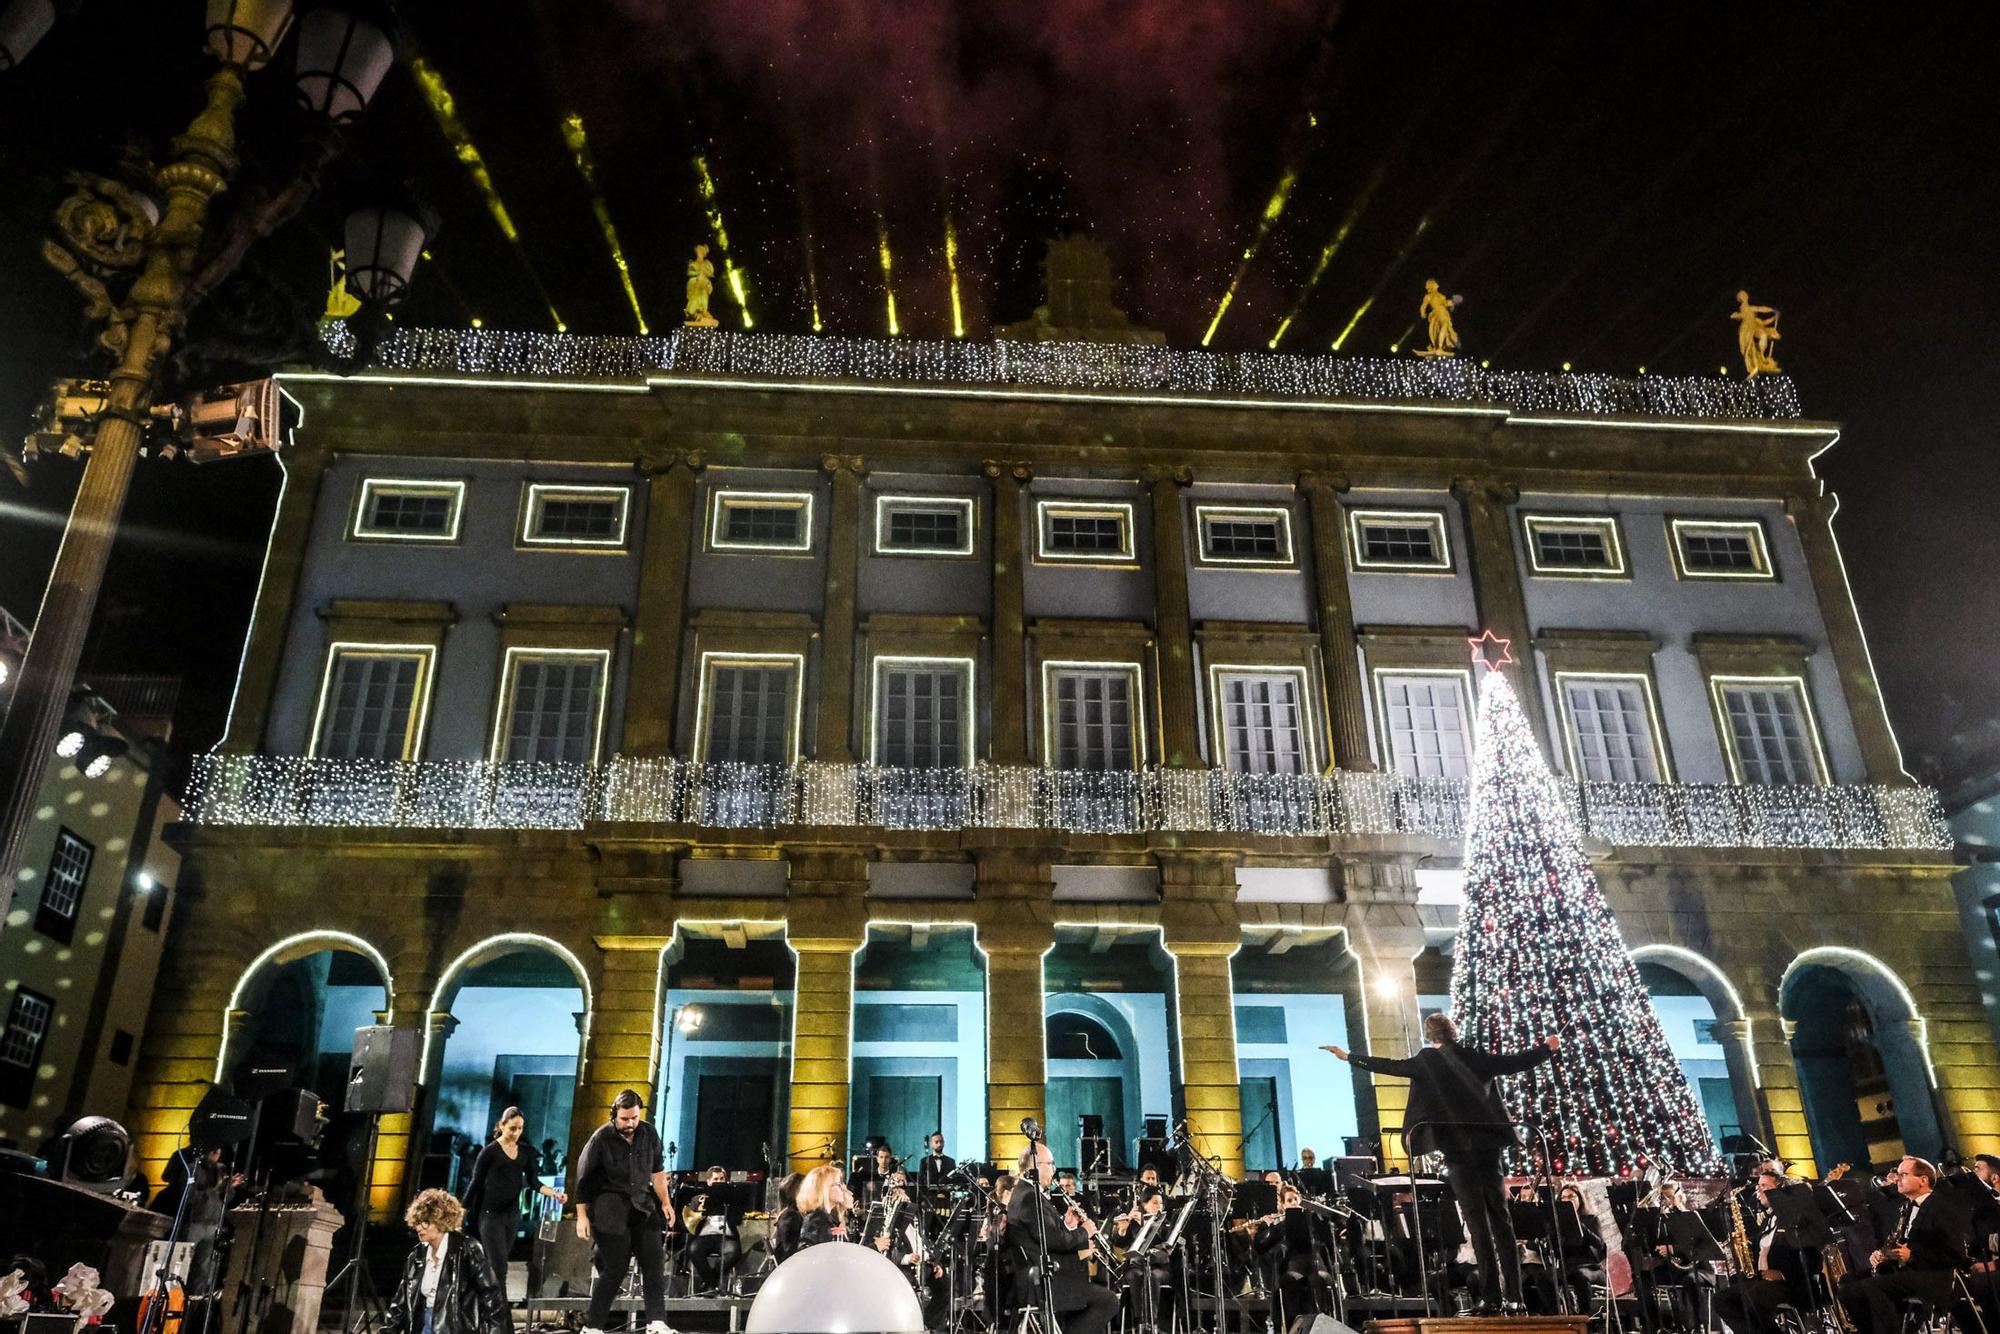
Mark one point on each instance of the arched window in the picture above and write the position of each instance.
(1078, 1037)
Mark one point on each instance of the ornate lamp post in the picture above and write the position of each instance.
(154, 233)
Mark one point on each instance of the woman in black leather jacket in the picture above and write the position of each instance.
(447, 1287)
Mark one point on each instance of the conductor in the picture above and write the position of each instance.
(1453, 1110)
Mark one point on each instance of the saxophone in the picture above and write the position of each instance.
(1740, 1249)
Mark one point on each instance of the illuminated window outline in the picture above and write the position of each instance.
(1604, 525)
(713, 658)
(1287, 559)
(536, 495)
(887, 504)
(1801, 691)
(1760, 548)
(1308, 717)
(724, 498)
(968, 700)
(1357, 519)
(420, 696)
(1563, 680)
(1132, 669)
(503, 707)
(1126, 556)
(371, 487)
(1467, 704)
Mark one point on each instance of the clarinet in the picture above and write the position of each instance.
(1100, 1249)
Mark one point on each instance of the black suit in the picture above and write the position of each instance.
(1069, 1280)
(1749, 1304)
(1937, 1242)
(1453, 1109)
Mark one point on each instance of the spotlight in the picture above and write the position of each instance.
(146, 882)
(72, 739)
(1387, 987)
(100, 751)
(688, 1019)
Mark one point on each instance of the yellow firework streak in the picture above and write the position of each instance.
(1351, 323)
(1423, 225)
(1327, 253)
(445, 109)
(888, 270)
(951, 268)
(1273, 210)
(579, 148)
(738, 286)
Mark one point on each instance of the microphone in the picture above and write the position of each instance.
(1031, 1128)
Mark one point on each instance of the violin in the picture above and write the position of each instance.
(172, 1312)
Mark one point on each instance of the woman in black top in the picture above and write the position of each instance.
(785, 1227)
(505, 1168)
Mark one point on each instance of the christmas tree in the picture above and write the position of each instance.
(1538, 953)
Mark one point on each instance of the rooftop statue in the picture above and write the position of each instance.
(1755, 334)
(1436, 308)
(701, 284)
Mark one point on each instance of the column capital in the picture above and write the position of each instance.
(1019, 471)
(844, 466)
(1162, 474)
(664, 460)
(1325, 483)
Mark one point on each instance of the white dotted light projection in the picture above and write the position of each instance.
(1538, 952)
(1099, 366)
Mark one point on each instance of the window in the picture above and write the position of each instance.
(156, 908)
(750, 707)
(1708, 1032)
(1769, 727)
(574, 516)
(921, 713)
(1720, 549)
(62, 887)
(395, 510)
(552, 705)
(1075, 530)
(373, 702)
(1263, 722)
(1424, 721)
(1574, 545)
(1399, 540)
(1612, 728)
(923, 525)
(761, 521)
(121, 1048)
(28, 1019)
(1239, 535)
(1091, 717)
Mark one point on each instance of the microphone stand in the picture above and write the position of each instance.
(1033, 1131)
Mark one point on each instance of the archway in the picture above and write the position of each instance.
(918, 1056)
(1864, 1073)
(1292, 991)
(725, 1019)
(1107, 988)
(1703, 1017)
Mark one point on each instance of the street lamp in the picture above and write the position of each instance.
(687, 1019)
(384, 242)
(341, 62)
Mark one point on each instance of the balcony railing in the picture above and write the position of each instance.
(292, 791)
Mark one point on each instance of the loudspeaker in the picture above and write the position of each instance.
(383, 1075)
(220, 1121)
(1320, 1324)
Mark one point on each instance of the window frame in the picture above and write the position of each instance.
(1718, 684)
(1662, 765)
(17, 1078)
(1218, 674)
(887, 503)
(1047, 508)
(61, 926)
(1760, 547)
(724, 498)
(713, 658)
(1385, 735)
(534, 495)
(968, 710)
(1606, 525)
(1287, 559)
(420, 697)
(1436, 520)
(503, 707)
(359, 531)
(1137, 674)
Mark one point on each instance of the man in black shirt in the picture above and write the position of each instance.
(935, 1165)
(1084, 1307)
(622, 1207)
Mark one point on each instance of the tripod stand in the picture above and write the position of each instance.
(355, 1270)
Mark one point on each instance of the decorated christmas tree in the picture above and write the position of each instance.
(1539, 953)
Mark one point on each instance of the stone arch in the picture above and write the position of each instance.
(1737, 1035)
(1812, 998)
(1107, 1017)
(290, 950)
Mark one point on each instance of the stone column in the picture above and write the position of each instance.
(184, 1038)
(1011, 686)
(622, 1049)
(1173, 631)
(1496, 584)
(399, 1149)
(836, 652)
(1813, 518)
(1201, 931)
(1346, 694)
(277, 591)
(1783, 1095)
(652, 695)
(1386, 935)
(827, 922)
(1017, 886)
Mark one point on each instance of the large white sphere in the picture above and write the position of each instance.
(836, 1288)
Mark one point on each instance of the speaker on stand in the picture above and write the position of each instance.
(381, 1077)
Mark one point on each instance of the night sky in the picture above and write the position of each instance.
(1596, 181)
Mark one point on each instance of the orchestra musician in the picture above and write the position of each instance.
(1148, 1274)
(713, 1216)
(1984, 1282)
(1667, 1267)
(935, 1166)
(785, 1223)
(1923, 1250)
(1084, 1307)
(1453, 1109)
(871, 1175)
(1783, 1270)
(1315, 1182)
(1305, 1277)
(824, 1203)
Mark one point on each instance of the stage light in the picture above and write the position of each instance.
(579, 151)
(1386, 987)
(70, 744)
(99, 752)
(1565, 368)
(146, 882)
(688, 1020)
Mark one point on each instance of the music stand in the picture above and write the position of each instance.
(1799, 1214)
(1692, 1238)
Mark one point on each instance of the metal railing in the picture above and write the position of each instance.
(294, 791)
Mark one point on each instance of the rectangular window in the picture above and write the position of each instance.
(1242, 535)
(923, 525)
(761, 521)
(1574, 544)
(749, 711)
(121, 1048)
(372, 704)
(1424, 718)
(28, 1019)
(1092, 717)
(1263, 722)
(553, 705)
(921, 714)
(1611, 724)
(63, 886)
(1720, 549)
(1399, 540)
(1079, 531)
(574, 516)
(1769, 727)
(399, 510)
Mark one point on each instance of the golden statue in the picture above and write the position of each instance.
(1755, 334)
(701, 282)
(341, 304)
(1436, 308)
